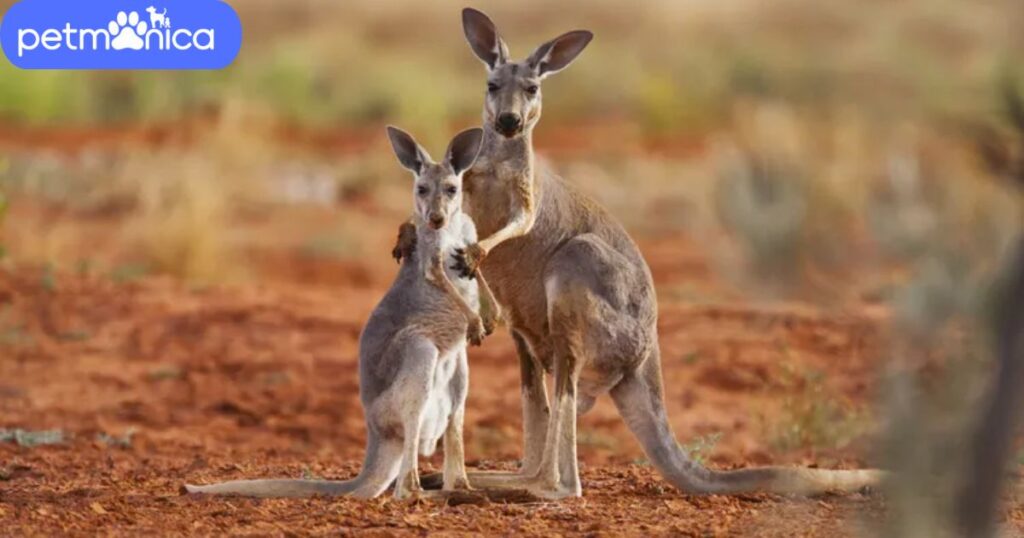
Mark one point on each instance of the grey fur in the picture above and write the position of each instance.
(578, 297)
(413, 373)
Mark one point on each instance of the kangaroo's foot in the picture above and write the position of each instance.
(477, 479)
(498, 479)
(549, 492)
(543, 487)
(514, 483)
(484, 479)
(538, 485)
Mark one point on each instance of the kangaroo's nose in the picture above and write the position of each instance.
(436, 221)
(509, 123)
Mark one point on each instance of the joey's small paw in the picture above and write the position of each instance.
(405, 245)
(468, 259)
(475, 331)
(460, 263)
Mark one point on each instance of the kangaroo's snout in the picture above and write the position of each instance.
(509, 124)
(436, 221)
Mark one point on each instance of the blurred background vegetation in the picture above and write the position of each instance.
(865, 153)
(866, 115)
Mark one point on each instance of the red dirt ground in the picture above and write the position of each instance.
(231, 382)
(260, 380)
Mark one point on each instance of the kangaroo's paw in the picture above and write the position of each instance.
(475, 331)
(468, 259)
(490, 323)
(405, 245)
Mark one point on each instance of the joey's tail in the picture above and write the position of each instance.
(380, 468)
(639, 398)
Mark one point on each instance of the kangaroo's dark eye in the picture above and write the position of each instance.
(492, 87)
(451, 190)
(422, 190)
(532, 89)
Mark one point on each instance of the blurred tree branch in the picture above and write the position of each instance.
(994, 435)
(1000, 418)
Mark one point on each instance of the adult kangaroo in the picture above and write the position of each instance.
(577, 295)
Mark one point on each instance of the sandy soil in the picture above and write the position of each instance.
(254, 380)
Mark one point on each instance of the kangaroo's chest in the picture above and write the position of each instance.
(491, 193)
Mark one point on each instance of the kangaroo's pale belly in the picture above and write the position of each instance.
(441, 402)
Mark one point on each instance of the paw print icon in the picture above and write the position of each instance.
(126, 31)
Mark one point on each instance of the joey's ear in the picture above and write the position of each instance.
(409, 153)
(463, 150)
(483, 38)
(557, 54)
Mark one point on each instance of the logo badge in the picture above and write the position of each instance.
(121, 34)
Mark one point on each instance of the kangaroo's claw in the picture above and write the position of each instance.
(461, 266)
(467, 260)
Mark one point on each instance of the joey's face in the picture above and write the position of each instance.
(513, 101)
(437, 191)
(438, 195)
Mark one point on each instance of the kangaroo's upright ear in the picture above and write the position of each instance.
(463, 150)
(483, 38)
(410, 154)
(557, 54)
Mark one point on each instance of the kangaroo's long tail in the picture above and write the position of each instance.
(277, 487)
(639, 398)
(379, 469)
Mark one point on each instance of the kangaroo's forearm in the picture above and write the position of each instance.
(439, 278)
(520, 225)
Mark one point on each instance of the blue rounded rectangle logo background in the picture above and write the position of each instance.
(121, 34)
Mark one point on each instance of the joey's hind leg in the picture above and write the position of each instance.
(411, 389)
(454, 450)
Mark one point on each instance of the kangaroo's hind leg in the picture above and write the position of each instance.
(454, 450)
(536, 409)
(536, 412)
(583, 304)
(557, 475)
(408, 399)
